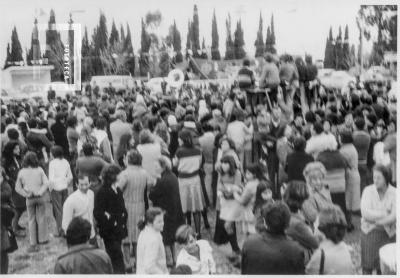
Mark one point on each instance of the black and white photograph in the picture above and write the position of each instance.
(185, 137)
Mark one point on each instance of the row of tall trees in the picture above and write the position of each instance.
(269, 45)
(339, 54)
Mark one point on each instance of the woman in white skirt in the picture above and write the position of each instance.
(188, 161)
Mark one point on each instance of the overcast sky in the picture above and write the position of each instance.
(300, 26)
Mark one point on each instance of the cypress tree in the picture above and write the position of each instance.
(269, 47)
(215, 55)
(346, 55)
(55, 49)
(259, 43)
(239, 42)
(8, 57)
(86, 59)
(177, 43)
(130, 61)
(338, 50)
(204, 50)
(114, 36)
(329, 60)
(16, 49)
(273, 42)
(229, 52)
(145, 43)
(195, 32)
(122, 35)
(353, 55)
(189, 36)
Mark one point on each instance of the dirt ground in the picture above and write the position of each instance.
(43, 261)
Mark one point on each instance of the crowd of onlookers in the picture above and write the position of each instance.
(286, 173)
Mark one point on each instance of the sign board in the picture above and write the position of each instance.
(117, 81)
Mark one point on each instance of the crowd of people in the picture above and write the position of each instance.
(285, 170)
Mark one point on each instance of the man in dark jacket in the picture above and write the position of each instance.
(59, 131)
(82, 257)
(37, 140)
(271, 252)
(297, 161)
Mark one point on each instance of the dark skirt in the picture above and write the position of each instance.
(220, 234)
(340, 200)
(370, 245)
(363, 170)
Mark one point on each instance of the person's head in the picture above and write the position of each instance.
(392, 125)
(346, 137)
(254, 171)
(32, 123)
(185, 139)
(186, 237)
(228, 165)
(269, 58)
(299, 144)
(314, 173)
(154, 217)
(30, 160)
(359, 123)
(78, 231)
(382, 176)
(276, 113)
(246, 62)
(83, 182)
(295, 194)
(101, 123)
(134, 158)
(57, 152)
(11, 150)
(317, 128)
(72, 121)
(145, 137)
(276, 217)
(87, 149)
(332, 223)
(165, 163)
(181, 269)
(285, 131)
(327, 125)
(121, 115)
(298, 120)
(13, 134)
(310, 117)
(226, 143)
(60, 117)
(109, 175)
(263, 193)
(137, 125)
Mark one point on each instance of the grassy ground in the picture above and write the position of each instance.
(43, 261)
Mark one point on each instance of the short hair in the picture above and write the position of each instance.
(120, 114)
(165, 162)
(332, 223)
(13, 134)
(359, 123)
(318, 127)
(60, 116)
(145, 137)
(181, 269)
(72, 121)
(78, 231)
(82, 175)
(299, 143)
(385, 171)
(346, 136)
(30, 160)
(32, 123)
(186, 138)
(295, 195)
(57, 152)
(149, 216)
(229, 140)
(183, 233)
(269, 58)
(313, 167)
(310, 117)
(134, 158)
(109, 174)
(246, 62)
(87, 149)
(101, 123)
(276, 216)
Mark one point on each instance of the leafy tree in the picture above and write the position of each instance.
(346, 56)
(215, 55)
(114, 36)
(195, 33)
(229, 51)
(239, 42)
(269, 46)
(204, 50)
(259, 43)
(16, 49)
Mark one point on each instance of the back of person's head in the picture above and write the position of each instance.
(257, 170)
(101, 123)
(318, 127)
(246, 62)
(186, 138)
(149, 216)
(30, 160)
(299, 143)
(332, 223)
(269, 58)
(57, 152)
(109, 174)
(276, 217)
(78, 231)
(295, 194)
(134, 158)
(310, 117)
(359, 122)
(165, 163)
(183, 234)
(145, 137)
(13, 134)
(346, 136)
(87, 149)
(32, 123)
(120, 114)
(72, 121)
(181, 269)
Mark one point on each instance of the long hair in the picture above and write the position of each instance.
(232, 165)
(8, 152)
(30, 160)
(109, 175)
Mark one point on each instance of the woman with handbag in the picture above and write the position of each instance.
(8, 241)
(32, 183)
(229, 180)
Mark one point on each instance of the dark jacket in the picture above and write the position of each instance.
(60, 136)
(84, 259)
(295, 164)
(37, 141)
(165, 194)
(113, 203)
(246, 78)
(266, 253)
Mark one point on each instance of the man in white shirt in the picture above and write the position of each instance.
(80, 203)
(60, 176)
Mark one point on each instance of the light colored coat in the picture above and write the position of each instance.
(353, 194)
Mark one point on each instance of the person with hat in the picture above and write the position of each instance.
(82, 257)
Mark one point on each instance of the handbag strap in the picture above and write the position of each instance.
(322, 263)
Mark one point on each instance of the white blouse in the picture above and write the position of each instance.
(205, 265)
